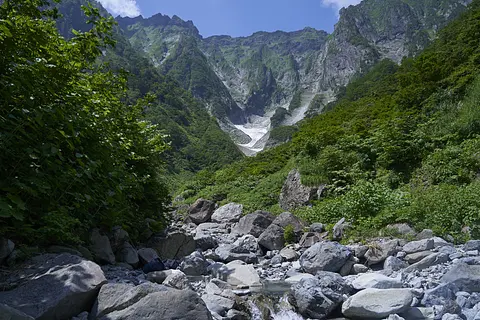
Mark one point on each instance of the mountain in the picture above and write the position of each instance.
(268, 80)
(195, 137)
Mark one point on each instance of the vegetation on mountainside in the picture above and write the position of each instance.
(400, 145)
(73, 154)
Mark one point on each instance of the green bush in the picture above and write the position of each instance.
(289, 234)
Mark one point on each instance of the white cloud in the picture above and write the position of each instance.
(124, 8)
(338, 4)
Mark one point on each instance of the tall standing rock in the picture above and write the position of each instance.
(294, 194)
(101, 248)
(6, 248)
(175, 245)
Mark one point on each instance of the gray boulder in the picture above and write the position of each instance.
(158, 276)
(324, 256)
(272, 238)
(377, 303)
(205, 241)
(201, 211)
(419, 245)
(175, 245)
(376, 281)
(118, 296)
(317, 227)
(118, 238)
(318, 297)
(379, 251)
(101, 248)
(254, 223)
(463, 276)
(440, 295)
(401, 229)
(294, 194)
(287, 219)
(229, 213)
(230, 252)
(308, 239)
(240, 274)
(472, 245)
(417, 256)
(165, 305)
(289, 254)
(432, 260)
(61, 292)
(147, 254)
(6, 248)
(9, 313)
(194, 264)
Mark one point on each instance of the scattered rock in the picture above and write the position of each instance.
(60, 292)
(218, 304)
(324, 256)
(165, 305)
(377, 303)
(294, 194)
(472, 245)
(419, 245)
(319, 297)
(317, 227)
(204, 241)
(376, 281)
(359, 268)
(310, 238)
(101, 248)
(254, 223)
(175, 245)
(201, 211)
(228, 213)
(158, 276)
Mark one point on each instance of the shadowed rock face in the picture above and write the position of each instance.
(61, 292)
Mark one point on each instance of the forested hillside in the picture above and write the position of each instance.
(400, 145)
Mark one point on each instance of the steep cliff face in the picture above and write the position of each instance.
(253, 84)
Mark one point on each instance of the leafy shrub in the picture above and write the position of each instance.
(289, 234)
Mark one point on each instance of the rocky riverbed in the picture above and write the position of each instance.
(221, 264)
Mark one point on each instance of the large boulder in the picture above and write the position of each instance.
(272, 238)
(463, 276)
(254, 223)
(201, 211)
(165, 305)
(175, 245)
(377, 303)
(294, 194)
(431, 260)
(379, 251)
(127, 254)
(6, 248)
(101, 248)
(60, 292)
(217, 304)
(230, 252)
(118, 296)
(324, 256)
(318, 297)
(419, 245)
(240, 274)
(229, 213)
(178, 280)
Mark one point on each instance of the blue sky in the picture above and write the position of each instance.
(238, 17)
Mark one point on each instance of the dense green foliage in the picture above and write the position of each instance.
(73, 154)
(399, 145)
